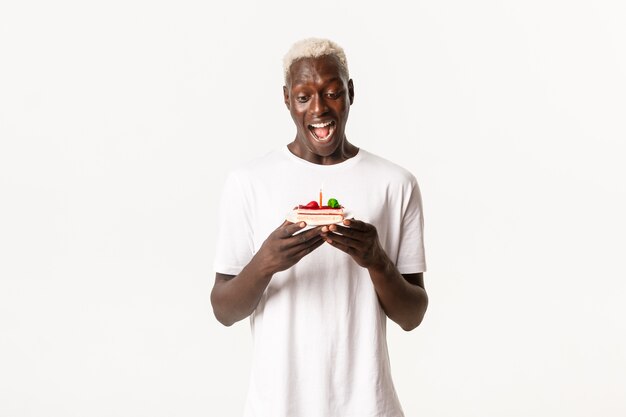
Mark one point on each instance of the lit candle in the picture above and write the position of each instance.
(320, 197)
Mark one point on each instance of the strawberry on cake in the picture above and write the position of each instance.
(315, 215)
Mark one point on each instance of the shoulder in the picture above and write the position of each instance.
(391, 170)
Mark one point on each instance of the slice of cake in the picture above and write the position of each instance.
(315, 215)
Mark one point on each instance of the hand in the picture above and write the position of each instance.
(282, 250)
(359, 240)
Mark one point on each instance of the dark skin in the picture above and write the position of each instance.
(317, 91)
(235, 297)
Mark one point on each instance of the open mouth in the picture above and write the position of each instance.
(322, 132)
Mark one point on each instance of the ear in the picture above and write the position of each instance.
(286, 96)
(351, 91)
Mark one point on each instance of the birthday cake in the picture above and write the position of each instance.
(316, 215)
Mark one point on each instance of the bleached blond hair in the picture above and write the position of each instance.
(315, 48)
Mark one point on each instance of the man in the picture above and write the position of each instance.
(319, 297)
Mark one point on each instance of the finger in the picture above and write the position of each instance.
(346, 231)
(356, 224)
(334, 228)
(344, 241)
(344, 248)
(302, 237)
(287, 229)
(305, 248)
(305, 251)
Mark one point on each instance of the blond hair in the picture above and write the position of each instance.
(315, 48)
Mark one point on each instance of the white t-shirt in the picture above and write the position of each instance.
(319, 332)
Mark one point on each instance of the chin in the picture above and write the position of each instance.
(322, 149)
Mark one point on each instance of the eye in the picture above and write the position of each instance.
(333, 95)
(302, 99)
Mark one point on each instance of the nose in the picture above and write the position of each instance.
(318, 105)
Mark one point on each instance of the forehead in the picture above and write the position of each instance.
(320, 70)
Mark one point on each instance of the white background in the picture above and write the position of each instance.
(119, 119)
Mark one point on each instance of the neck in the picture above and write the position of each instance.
(344, 151)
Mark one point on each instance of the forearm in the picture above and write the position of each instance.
(236, 298)
(403, 302)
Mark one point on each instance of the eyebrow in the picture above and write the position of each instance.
(332, 80)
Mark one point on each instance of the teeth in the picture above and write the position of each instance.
(321, 124)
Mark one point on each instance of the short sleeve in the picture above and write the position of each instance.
(234, 247)
(411, 254)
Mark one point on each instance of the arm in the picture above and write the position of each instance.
(402, 297)
(235, 297)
